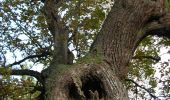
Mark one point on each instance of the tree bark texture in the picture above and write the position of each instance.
(114, 44)
(88, 81)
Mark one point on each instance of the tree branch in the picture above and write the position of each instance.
(35, 74)
(156, 58)
(30, 57)
(159, 27)
(141, 87)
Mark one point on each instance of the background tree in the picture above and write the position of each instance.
(126, 38)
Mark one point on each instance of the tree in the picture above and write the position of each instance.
(101, 69)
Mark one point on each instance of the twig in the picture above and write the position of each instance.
(156, 58)
(142, 88)
(30, 57)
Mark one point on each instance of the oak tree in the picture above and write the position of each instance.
(90, 49)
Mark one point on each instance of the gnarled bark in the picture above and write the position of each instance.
(115, 45)
(88, 81)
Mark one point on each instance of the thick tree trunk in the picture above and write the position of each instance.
(114, 45)
(87, 81)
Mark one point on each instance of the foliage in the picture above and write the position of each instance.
(24, 32)
(84, 19)
(15, 88)
(23, 28)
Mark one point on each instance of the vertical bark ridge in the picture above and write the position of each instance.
(112, 84)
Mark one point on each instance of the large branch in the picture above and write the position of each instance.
(160, 27)
(35, 74)
(58, 30)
